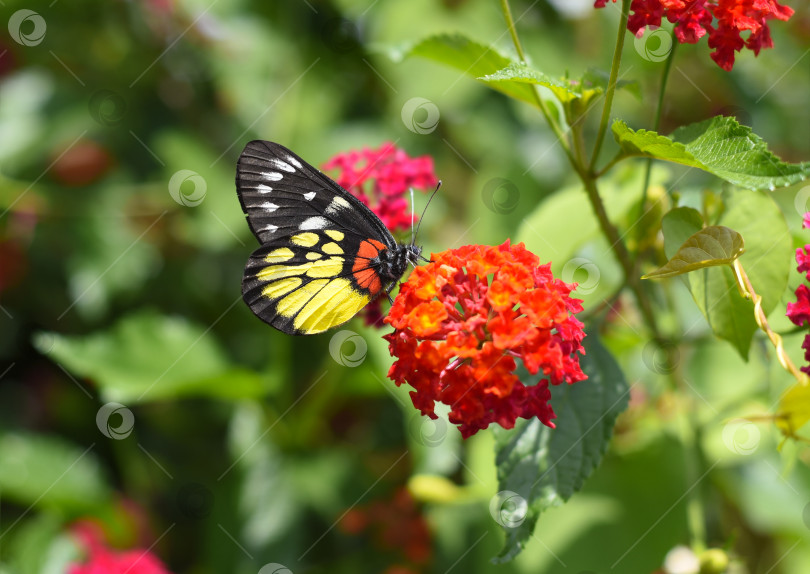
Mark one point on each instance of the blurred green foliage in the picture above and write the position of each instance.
(250, 447)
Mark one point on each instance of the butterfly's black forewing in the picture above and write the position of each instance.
(279, 191)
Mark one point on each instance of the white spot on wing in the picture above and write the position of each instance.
(309, 196)
(261, 188)
(272, 175)
(314, 223)
(294, 161)
(282, 166)
(336, 205)
(270, 228)
(267, 206)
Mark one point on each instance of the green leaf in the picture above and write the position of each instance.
(148, 356)
(767, 261)
(469, 57)
(510, 80)
(593, 83)
(720, 146)
(677, 226)
(49, 472)
(542, 467)
(711, 246)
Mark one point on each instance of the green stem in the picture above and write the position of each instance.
(611, 89)
(609, 165)
(656, 124)
(558, 131)
(620, 249)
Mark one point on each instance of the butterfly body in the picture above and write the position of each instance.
(324, 254)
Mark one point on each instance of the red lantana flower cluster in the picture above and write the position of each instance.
(103, 560)
(461, 322)
(799, 312)
(723, 20)
(380, 178)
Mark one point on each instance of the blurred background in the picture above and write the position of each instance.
(138, 393)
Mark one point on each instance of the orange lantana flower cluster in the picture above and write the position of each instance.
(461, 322)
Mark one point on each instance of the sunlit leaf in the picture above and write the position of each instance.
(715, 245)
(592, 84)
(720, 146)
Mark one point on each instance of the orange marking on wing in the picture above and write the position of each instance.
(365, 276)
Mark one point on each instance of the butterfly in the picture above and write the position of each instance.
(324, 255)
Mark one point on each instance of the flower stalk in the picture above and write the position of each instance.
(747, 291)
(611, 89)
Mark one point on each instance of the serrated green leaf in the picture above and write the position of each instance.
(593, 83)
(545, 467)
(720, 146)
(711, 246)
(50, 472)
(519, 74)
(148, 356)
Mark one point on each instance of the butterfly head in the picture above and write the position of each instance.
(392, 263)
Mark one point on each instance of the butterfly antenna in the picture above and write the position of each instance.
(413, 215)
(424, 211)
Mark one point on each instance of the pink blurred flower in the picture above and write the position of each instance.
(101, 559)
(381, 177)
